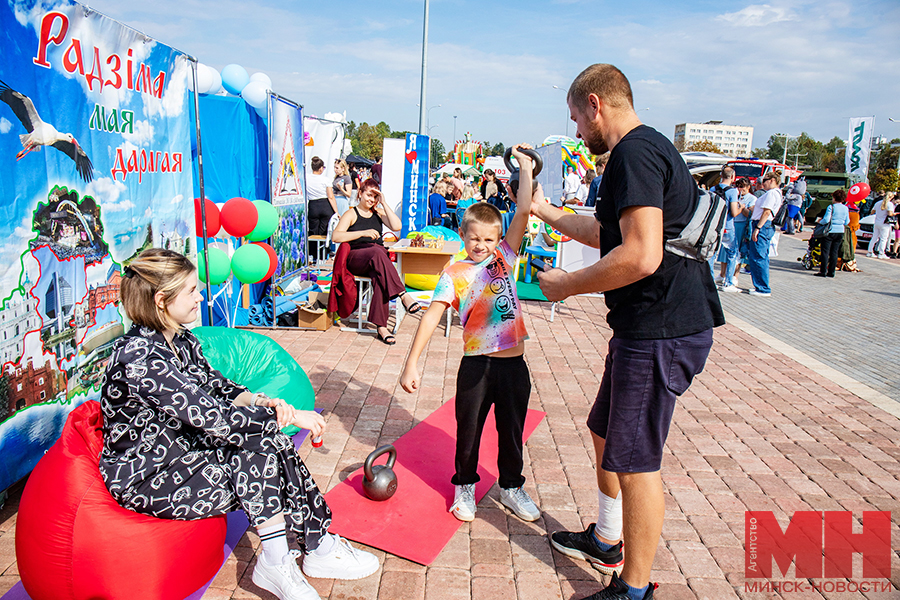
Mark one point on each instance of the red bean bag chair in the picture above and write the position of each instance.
(74, 541)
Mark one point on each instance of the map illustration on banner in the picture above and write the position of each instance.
(95, 166)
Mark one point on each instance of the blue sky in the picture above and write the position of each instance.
(780, 66)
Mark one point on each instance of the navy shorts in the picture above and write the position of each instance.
(641, 381)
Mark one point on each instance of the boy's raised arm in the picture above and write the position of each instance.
(519, 223)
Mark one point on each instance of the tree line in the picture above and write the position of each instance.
(367, 141)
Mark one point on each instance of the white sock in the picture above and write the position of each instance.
(274, 543)
(326, 544)
(609, 520)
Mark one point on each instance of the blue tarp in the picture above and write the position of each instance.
(235, 144)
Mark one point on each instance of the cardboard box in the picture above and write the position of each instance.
(312, 314)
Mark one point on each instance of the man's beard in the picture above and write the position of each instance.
(595, 143)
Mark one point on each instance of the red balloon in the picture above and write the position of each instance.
(273, 259)
(212, 218)
(858, 192)
(239, 217)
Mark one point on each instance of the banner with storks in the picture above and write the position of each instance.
(95, 166)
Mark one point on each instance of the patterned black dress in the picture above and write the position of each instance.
(175, 446)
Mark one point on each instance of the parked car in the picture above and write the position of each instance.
(866, 231)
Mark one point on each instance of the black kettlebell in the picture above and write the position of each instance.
(380, 481)
(514, 170)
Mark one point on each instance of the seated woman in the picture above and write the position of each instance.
(361, 227)
(182, 442)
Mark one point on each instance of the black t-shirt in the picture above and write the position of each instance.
(362, 224)
(680, 298)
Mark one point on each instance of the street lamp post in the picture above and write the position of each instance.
(424, 69)
(428, 118)
(786, 140)
(556, 87)
(454, 131)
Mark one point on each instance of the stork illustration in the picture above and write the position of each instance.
(44, 134)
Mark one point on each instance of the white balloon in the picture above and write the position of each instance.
(221, 233)
(255, 94)
(216, 86)
(223, 246)
(263, 79)
(204, 79)
(263, 113)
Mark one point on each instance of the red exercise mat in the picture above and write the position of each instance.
(415, 523)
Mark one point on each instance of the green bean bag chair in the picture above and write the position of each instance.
(258, 363)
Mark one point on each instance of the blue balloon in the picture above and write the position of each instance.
(235, 79)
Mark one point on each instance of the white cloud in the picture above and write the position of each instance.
(177, 199)
(142, 135)
(5, 125)
(105, 190)
(118, 206)
(757, 15)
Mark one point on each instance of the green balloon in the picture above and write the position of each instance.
(219, 266)
(250, 263)
(266, 222)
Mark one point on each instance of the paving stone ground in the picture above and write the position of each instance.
(758, 430)
(850, 322)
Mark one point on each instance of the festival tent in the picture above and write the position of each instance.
(466, 169)
(359, 160)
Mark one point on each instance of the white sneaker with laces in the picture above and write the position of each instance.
(730, 289)
(518, 501)
(284, 580)
(343, 562)
(463, 507)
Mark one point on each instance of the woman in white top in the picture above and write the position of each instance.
(883, 229)
(762, 231)
(321, 198)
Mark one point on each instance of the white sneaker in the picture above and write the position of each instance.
(343, 562)
(730, 289)
(758, 293)
(883, 256)
(284, 580)
(869, 254)
(719, 279)
(463, 507)
(518, 501)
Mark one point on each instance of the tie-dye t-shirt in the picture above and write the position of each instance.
(484, 294)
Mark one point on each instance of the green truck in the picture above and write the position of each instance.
(820, 185)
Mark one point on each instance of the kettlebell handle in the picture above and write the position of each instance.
(538, 161)
(387, 448)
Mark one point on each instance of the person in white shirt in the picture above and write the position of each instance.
(570, 186)
(762, 230)
(884, 231)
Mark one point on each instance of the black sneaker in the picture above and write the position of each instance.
(583, 545)
(617, 590)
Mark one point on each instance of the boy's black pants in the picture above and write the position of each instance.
(483, 381)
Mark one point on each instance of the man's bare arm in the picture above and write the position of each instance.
(639, 256)
(582, 228)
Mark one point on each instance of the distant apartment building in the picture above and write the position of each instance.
(733, 140)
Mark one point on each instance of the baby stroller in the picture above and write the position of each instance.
(813, 257)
